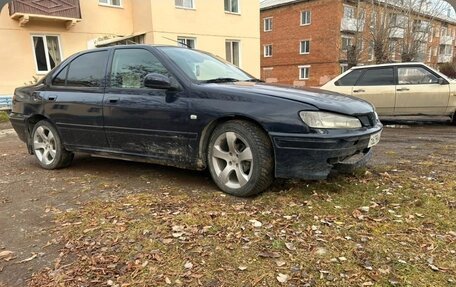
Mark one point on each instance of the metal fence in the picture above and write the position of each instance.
(6, 103)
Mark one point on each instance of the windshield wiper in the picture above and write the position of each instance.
(221, 80)
(254, 80)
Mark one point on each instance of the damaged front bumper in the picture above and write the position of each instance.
(313, 156)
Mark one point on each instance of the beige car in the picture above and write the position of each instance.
(404, 89)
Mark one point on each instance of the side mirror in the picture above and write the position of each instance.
(442, 81)
(157, 81)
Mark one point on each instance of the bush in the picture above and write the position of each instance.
(448, 69)
(3, 117)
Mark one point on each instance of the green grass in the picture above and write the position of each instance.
(3, 117)
(146, 239)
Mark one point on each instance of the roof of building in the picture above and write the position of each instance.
(435, 4)
(267, 4)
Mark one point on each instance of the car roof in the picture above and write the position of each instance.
(388, 65)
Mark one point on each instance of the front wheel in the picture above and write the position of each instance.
(48, 148)
(240, 158)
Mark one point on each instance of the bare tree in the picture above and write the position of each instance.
(417, 22)
(395, 27)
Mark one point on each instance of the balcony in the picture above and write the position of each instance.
(445, 58)
(67, 12)
(397, 33)
(352, 25)
(446, 40)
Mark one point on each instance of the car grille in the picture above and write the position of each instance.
(368, 120)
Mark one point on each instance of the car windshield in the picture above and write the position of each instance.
(204, 67)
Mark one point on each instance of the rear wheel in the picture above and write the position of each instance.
(240, 158)
(47, 147)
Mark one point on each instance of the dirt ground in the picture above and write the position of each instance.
(31, 198)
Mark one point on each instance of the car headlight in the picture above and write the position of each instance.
(324, 120)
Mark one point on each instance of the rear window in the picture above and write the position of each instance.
(377, 77)
(87, 70)
(350, 79)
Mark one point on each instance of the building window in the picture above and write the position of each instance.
(114, 3)
(349, 12)
(306, 18)
(343, 68)
(47, 52)
(267, 24)
(304, 47)
(184, 4)
(346, 43)
(233, 52)
(268, 50)
(232, 6)
(187, 42)
(304, 72)
(370, 51)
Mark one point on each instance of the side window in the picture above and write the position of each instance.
(416, 76)
(130, 66)
(350, 79)
(88, 70)
(60, 79)
(377, 77)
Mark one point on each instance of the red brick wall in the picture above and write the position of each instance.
(323, 33)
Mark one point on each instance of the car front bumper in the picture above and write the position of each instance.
(313, 156)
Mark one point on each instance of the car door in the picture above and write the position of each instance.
(144, 121)
(377, 86)
(74, 100)
(420, 92)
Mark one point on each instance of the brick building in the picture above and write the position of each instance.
(304, 42)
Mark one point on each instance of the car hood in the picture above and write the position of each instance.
(322, 99)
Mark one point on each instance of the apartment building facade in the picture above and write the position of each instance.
(36, 35)
(305, 42)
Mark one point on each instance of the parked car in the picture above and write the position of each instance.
(403, 89)
(185, 108)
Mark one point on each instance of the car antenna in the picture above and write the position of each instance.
(179, 42)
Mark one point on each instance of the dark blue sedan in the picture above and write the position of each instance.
(189, 109)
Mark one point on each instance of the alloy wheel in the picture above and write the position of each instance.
(232, 160)
(44, 145)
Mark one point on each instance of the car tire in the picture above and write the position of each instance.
(454, 119)
(240, 158)
(47, 147)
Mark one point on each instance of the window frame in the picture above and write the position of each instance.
(361, 77)
(109, 4)
(265, 49)
(231, 41)
(145, 90)
(308, 47)
(46, 52)
(264, 24)
(308, 72)
(183, 7)
(302, 18)
(396, 73)
(186, 39)
(343, 68)
(341, 45)
(67, 64)
(231, 7)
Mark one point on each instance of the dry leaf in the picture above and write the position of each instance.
(282, 278)
(290, 246)
(242, 267)
(280, 263)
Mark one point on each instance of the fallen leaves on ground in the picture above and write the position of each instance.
(373, 229)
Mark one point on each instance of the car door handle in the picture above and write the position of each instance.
(403, 89)
(52, 98)
(113, 100)
(359, 91)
